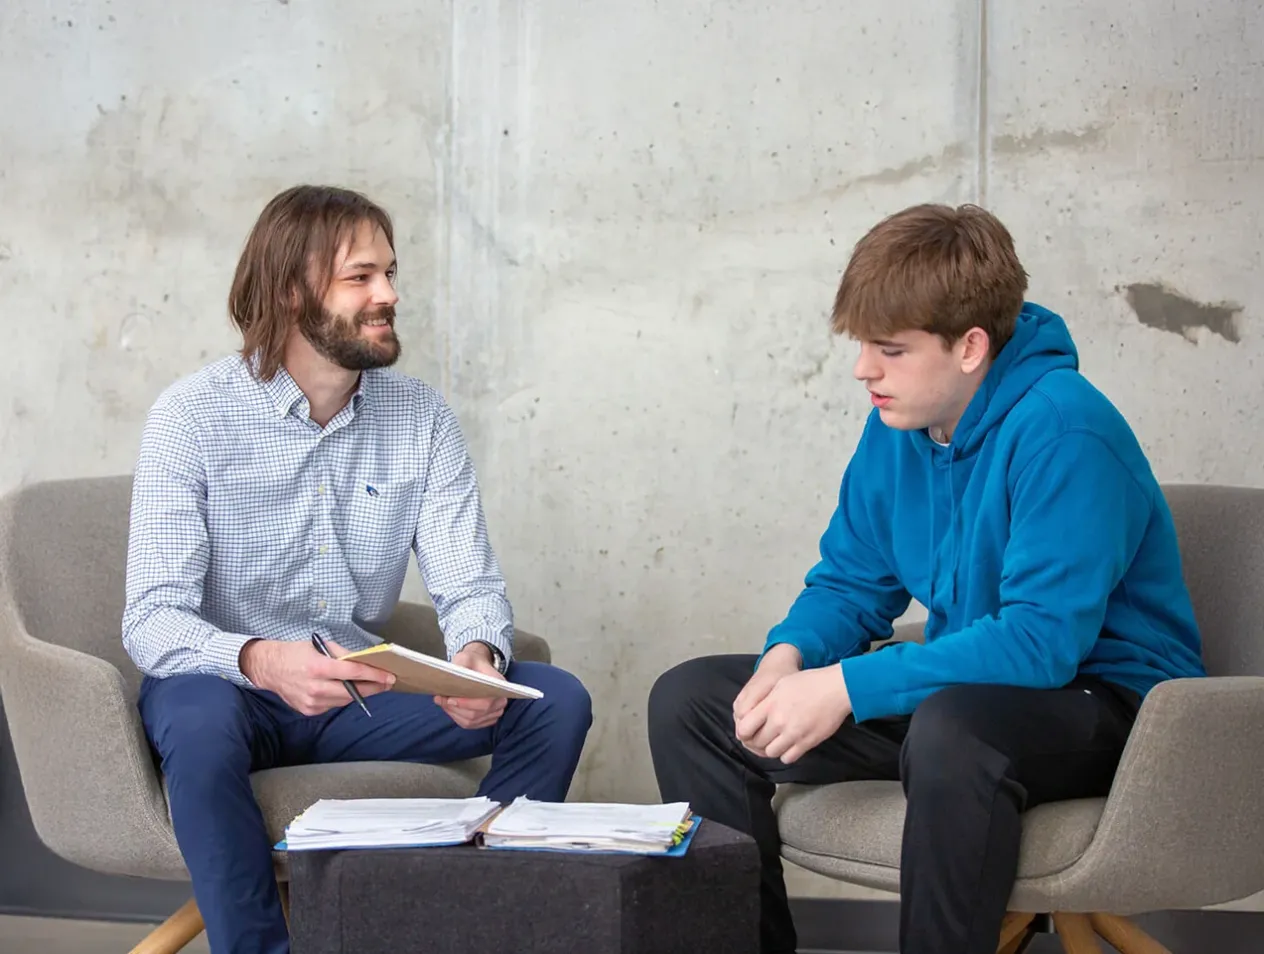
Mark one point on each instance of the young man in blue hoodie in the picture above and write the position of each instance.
(1000, 489)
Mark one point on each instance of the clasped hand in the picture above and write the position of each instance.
(784, 712)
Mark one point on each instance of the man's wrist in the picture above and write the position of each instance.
(249, 660)
(479, 649)
(783, 656)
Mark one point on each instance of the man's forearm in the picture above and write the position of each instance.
(165, 641)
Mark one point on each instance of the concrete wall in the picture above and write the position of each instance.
(621, 226)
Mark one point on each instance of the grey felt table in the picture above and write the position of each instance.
(392, 901)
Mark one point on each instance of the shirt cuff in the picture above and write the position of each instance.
(221, 657)
(501, 646)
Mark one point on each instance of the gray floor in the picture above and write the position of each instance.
(63, 936)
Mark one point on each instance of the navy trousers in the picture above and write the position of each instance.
(211, 734)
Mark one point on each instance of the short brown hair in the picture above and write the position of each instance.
(932, 268)
(288, 261)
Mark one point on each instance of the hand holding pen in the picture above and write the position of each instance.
(310, 682)
(347, 683)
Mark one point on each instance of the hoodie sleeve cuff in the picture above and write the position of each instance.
(873, 685)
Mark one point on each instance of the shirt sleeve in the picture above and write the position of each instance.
(168, 553)
(457, 562)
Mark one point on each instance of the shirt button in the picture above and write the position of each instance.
(320, 604)
(324, 549)
(320, 489)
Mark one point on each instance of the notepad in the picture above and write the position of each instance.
(592, 827)
(387, 823)
(429, 675)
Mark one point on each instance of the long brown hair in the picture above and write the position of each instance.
(932, 268)
(288, 259)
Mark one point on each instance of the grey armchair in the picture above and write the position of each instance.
(69, 693)
(1181, 827)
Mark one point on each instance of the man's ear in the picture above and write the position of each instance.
(975, 348)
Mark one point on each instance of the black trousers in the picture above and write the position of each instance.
(971, 760)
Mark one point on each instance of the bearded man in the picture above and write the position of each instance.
(277, 494)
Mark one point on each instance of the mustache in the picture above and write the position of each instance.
(386, 311)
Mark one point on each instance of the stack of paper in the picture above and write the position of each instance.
(590, 826)
(387, 823)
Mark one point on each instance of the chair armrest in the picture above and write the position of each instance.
(1182, 826)
(90, 783)
(416, 627)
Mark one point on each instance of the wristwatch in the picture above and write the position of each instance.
(498, 658)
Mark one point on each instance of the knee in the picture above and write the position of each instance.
(945, 747)
(675, 699)
(206, 714)
(566, 700)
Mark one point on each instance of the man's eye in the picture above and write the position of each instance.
(891, 354)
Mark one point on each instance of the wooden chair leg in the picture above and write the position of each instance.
(174, 933)
(1076, 933)
(283, 887)
(1012, 930)
(1125, 936)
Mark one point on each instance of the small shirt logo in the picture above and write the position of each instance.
(370, 490)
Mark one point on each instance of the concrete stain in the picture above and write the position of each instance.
(908, 170)
(1043, 139)
(1159, 307)
(814, 371)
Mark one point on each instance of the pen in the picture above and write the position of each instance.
(350, 686)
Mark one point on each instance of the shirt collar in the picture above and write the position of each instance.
(283, 391)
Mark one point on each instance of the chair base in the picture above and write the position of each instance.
(174, 933)
(182, 927)
(1078, 933)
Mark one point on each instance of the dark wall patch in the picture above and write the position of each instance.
(1162, 308)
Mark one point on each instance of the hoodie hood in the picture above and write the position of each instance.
(1041, 344)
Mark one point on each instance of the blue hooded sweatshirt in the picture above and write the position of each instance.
(1038, 540)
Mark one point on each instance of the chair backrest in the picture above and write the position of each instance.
(63, 563)
(63, 558)
(1221, 534)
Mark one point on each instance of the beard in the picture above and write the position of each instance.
(339, 340)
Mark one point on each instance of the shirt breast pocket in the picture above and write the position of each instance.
(379, 524)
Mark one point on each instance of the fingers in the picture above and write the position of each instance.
(753, 693)
(318, 696)
(468, 716)
(778, 746)
(479, 707)
(339, 669)
(793, 755)
(370, 688)
(751, 723)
